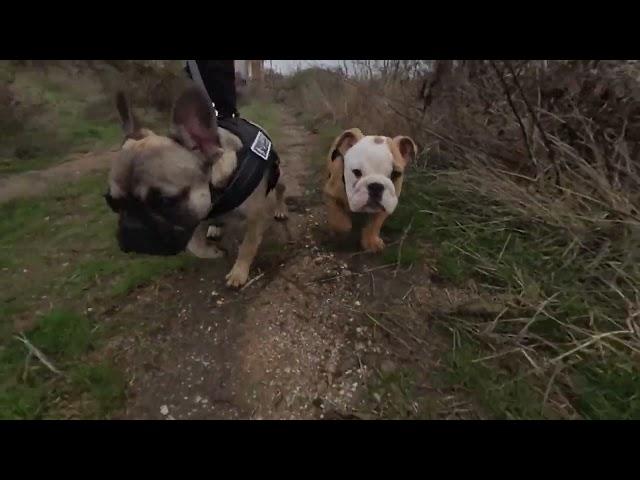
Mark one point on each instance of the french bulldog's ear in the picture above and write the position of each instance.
(130, 124)
(194, 121)
(345, 141)
(406, 147)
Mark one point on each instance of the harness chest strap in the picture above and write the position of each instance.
(254, 160)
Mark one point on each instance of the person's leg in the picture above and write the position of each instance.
(219, 78)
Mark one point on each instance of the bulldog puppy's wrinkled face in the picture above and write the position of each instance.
(373, 169)
(159, 185)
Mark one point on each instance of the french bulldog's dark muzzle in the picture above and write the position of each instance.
(137, 236)
(139, 232)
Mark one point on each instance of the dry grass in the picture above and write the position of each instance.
(530, 193)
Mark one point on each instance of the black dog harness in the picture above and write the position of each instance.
(256, 159)
(257, 156)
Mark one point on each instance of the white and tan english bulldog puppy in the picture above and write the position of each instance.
(365, 176)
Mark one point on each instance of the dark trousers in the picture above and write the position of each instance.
(219, 78)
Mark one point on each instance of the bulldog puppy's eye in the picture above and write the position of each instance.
(395, 174)
(357, 173)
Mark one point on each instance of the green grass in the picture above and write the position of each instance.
(396, 397)
(409, 254)
(27, 388)
(58, 114)
(62, 334)
(267, 115)
(501, 392)
(60, 257)
(30, 391)
(104, 384)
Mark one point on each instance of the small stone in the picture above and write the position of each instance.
(214, 293)
(357, 303)
(387, 366)
(198, 399)
(164, 410)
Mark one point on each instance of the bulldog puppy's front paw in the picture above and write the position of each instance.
(372, 243)
(238, 276)
(340, 224)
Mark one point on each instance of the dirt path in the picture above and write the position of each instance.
(36, 182)
(296, 343)
(324, 331)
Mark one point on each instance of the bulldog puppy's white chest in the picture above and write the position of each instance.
(368, 167)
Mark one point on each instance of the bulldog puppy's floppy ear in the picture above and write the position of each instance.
(345, 141)
(406, 147)
(194, 122)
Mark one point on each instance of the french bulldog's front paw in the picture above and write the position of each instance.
(214, 232)
(280, 214)
(372, 243)
(237, 276)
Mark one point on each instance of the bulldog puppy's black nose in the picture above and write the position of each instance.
(375, 190)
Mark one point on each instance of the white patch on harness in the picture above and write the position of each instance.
(261, 146)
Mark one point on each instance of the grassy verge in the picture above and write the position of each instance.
(60, 265)
(542, 331)
(545, 336)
